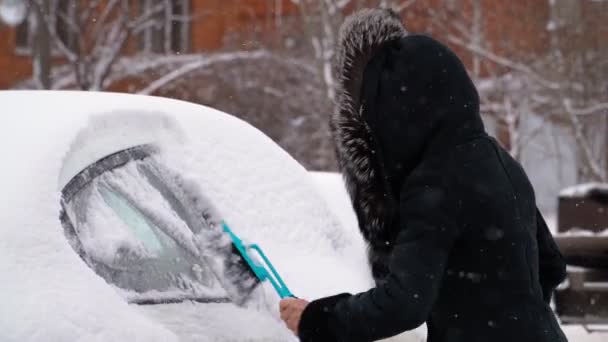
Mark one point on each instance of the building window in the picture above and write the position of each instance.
(25, 32)
(24, 37)
(168, 30)
(565, 12)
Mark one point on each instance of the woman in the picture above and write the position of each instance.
(455, 238)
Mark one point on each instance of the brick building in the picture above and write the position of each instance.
(210, 23)
(508, 26)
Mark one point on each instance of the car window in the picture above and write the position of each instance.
(135, 232)
(155, 242)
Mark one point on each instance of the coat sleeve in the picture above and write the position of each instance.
(404, 301)
(551, 264)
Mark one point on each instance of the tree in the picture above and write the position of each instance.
(321, 20)
(577, 61)
(502, 78)
(559, 85)
(317, 25)
(92, 35)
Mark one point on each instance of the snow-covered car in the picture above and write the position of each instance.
(109, 222)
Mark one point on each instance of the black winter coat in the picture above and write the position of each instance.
(455, 238)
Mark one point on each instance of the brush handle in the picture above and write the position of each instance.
(273, 277)
(259, 270)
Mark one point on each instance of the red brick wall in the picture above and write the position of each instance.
(516, 25)
(13, 67)
(513, 29)
(249, 19)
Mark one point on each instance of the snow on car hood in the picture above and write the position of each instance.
(50, 294)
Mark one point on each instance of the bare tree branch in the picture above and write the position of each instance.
(598, 108)
(583, 143)
(197, 64)
(504, 62)
(103, 18)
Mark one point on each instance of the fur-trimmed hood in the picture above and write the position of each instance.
(399, 96)
(360, 36)
(431, 190)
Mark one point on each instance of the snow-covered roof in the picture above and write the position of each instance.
(49, 293)
(582, 190)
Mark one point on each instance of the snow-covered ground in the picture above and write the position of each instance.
(331, 187)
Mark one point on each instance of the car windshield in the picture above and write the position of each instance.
(134, 232)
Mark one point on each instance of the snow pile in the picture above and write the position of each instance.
(331, 186)
(49, 294)
(192, 322)
(583, 190)
(579, 232)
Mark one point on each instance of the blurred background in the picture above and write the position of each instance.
(541, 66)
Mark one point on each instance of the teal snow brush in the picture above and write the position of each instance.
(261, 271)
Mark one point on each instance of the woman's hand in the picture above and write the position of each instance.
(291, 312)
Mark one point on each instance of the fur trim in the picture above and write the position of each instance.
(360, 36)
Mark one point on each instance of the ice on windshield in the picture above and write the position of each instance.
(153, 239)
(135, 237)
(134, 184)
